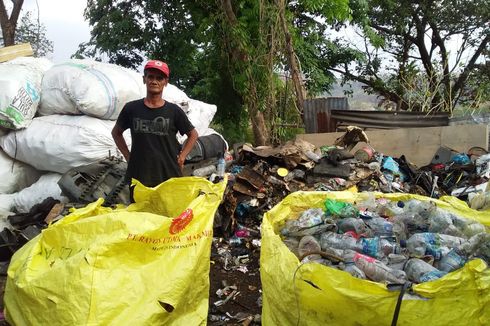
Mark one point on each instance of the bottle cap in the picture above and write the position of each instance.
(282, 172)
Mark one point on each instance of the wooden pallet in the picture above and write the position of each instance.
(14, 51)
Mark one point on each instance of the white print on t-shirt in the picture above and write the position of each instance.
(158, 126)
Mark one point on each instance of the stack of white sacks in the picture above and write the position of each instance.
(57, 117)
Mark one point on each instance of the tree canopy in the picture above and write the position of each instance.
(418, 54)
(231, 53)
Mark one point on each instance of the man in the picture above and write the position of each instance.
(155, 152)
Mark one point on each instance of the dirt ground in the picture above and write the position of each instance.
(246, 306)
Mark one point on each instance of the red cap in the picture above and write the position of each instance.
(159, 65)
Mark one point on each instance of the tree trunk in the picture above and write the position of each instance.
(260, 131)
(293, 62)
(9, 24)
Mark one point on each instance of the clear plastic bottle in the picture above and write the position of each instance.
(311, 217)
(309, 244)
(477, 246)
(313, 156)
(427, 243)
(204, 171)
(378, 247)
(376, 271)
(351, 268)
(452, 261)
(354, 224)
(310, 221)
(396, 261)
(380, 227)
(220, 169)
(339, 241)
(419, 271)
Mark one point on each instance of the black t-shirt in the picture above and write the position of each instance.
(154, 147)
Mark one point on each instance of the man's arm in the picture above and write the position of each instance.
(191, 140)
(117, 135)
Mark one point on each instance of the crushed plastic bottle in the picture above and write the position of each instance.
(376, 271)
(340, 209)
(396, 261)
(339, 241)
(380, 227)
(419, 271)
(309, 244)
(356, 225)
(427, 243)
(408, 223)
(204, 171)
(313, 156)
(453, 260)
(378, 248)
(476, 246)
(310, 221)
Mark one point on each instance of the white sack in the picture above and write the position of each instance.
(6, 204)
(59, 143)
(46, 186)
(174, 95)
(88, 87)
(200, 114)
(43, 64)
(20, 91)
(15, 175)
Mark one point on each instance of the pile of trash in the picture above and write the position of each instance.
(261, 177)
(384, 241)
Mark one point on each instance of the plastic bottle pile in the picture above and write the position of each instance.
(385, 241)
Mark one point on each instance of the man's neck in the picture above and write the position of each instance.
(154, 100)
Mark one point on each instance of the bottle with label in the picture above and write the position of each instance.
(378, 247)
(458, 256)
(427, 243)
(376, 271)
(419, 271)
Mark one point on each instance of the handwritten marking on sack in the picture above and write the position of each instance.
(61, 253)
(24, 99)
(180, 222)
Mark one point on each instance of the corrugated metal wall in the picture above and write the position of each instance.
(389, 119)
(317, 113)
(328, 114)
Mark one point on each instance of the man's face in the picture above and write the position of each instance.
(155, 81)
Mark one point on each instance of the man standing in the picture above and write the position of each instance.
(155, 153)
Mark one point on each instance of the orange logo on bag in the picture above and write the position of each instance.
(180, 222)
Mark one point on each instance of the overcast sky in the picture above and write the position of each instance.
(65, 24)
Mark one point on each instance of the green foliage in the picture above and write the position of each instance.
(227, 57)
(33, 32)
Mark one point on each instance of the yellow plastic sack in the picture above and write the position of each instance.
(314, 294)
(147, 264)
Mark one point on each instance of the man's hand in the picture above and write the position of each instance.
(181, 160)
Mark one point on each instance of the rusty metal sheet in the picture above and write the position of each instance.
(389, 119)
